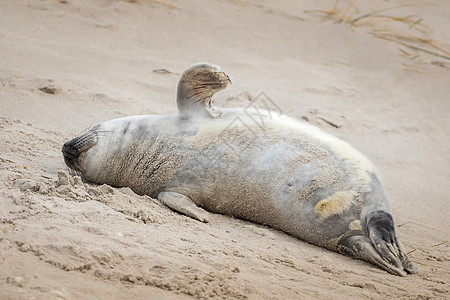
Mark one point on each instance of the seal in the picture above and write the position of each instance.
(281, 172)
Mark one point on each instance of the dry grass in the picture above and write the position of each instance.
(384, 22)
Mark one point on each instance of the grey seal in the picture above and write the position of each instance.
(282, 173)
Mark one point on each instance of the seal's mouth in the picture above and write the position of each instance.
(72, 149)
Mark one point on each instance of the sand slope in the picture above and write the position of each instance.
(67, 66)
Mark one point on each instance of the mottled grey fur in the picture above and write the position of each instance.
(286, 174)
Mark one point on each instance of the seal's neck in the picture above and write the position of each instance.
(195, 101)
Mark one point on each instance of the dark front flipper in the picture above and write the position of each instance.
(381, 231)
(379, 245)
(184, 205)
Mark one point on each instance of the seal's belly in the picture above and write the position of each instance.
(277, 183)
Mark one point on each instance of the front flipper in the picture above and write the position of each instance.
(184, 205)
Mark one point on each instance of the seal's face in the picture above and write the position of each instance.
(74, 150)
(111, 146)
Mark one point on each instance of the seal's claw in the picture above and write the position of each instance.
(409, 266)
(184, 205)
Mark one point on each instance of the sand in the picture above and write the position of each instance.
(380, 83)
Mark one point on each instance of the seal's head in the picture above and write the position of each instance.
(197, 85)
(103, 153)
(74, 150)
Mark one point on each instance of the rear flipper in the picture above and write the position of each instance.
(184, 205)
(379, 245)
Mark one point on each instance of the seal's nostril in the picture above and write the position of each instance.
(67, 151)
(70, 155)
(72, 149)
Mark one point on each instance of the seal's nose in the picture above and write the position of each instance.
(72, 149)
(70, 154)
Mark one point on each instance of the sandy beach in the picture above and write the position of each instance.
(373, 73)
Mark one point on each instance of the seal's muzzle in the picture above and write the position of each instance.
(72, 149)
(70, 154)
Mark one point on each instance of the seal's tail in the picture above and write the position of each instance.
(378, 244)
